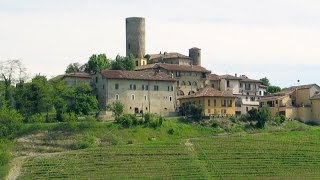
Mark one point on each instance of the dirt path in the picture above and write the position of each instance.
(34, 146)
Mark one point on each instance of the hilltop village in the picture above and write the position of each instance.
(168, 82)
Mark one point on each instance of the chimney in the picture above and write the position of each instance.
(236, 75)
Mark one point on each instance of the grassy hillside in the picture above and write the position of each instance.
(175, 150)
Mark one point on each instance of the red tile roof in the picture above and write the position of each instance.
(174, 67)
(229, 77)
(209, 92)
(137, 75)
(78, 75)
(168, 56)
(214, 77)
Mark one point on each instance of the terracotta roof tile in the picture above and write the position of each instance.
(174, 67)
(168, 56)
(230, 77)
(138, 75)
(78, 75)
(214, 77)
(209, 92)
(317, 96)
(302, 86)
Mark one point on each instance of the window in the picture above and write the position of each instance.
(189, 83)
(156, 88)
(209, 111)
(252, 99)
(247, 86)
(208, 102)
(117, 97)
(228, 84)
(215, 102)
(230, 103)
(96, 79)
(132, 97)
(116, 86)
(137, 63)
(145, 98)
(212, 85)
(180, 93)
(102, 86)
(178, 83)
(129, 46)
(178, 74)
(170, 98)
(195, 83)
(142, 87)
(223, 111)
(223, 103)
(183, 83)
(171, 88)
(133, 87)
(241, 85)
(145, 87)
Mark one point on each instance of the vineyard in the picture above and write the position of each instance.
(283, 155)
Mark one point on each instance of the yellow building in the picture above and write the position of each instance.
(214, 102)
(315, 107)
(297, 102)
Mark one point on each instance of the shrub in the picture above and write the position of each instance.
(69, 117)
(147, 118)
(36, 118)
(10, 122)
(127, 120)
(171, 131)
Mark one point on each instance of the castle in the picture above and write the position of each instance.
(167, 82)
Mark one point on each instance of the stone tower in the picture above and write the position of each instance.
(195, 55)
(135, 37)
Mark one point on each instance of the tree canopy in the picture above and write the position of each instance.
(74, 67)
(123, 63)
(97, 63)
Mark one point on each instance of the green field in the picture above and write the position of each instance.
(281, 155)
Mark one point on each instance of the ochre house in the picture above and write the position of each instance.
(297, 102)
(213, 101)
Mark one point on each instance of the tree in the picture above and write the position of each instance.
(12, 72)
(264, 116)
(117, 109)
(265, 81)
(35, 97)
(74, 67)
(273, 89)
(81, 101)
(97, 63)
(60, 97)
(123, 63)
(195, 111)
(10, 122)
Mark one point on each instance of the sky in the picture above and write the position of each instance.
(277, 39)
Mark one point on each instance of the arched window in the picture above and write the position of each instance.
(180, 93)
(189, 83)
(191, 92)
(194, 83)
(183, 83)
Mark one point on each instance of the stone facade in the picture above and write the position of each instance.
(297, 102)
(140, 92)
(214, 102)
(135, 37)
(77, 78)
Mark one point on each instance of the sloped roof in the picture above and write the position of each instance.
(174, 67)
(279, 95)
(137, 75)
(229, 77)
(243, 79)
(317, 96)
(166, 55)
(209, 92)
(214, 77)
(307, 86)
(78, 75)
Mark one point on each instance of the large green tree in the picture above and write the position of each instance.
(123, 63)
(265, 81)
(81, 101)
(97, 63)
(74, 67)
(273, 89)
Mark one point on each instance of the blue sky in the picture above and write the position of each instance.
(278, 39)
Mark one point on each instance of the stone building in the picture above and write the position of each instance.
(190, 78)
(77, 78)
(213, 101)
(296, 102)
(247, 91)
(139, 91)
